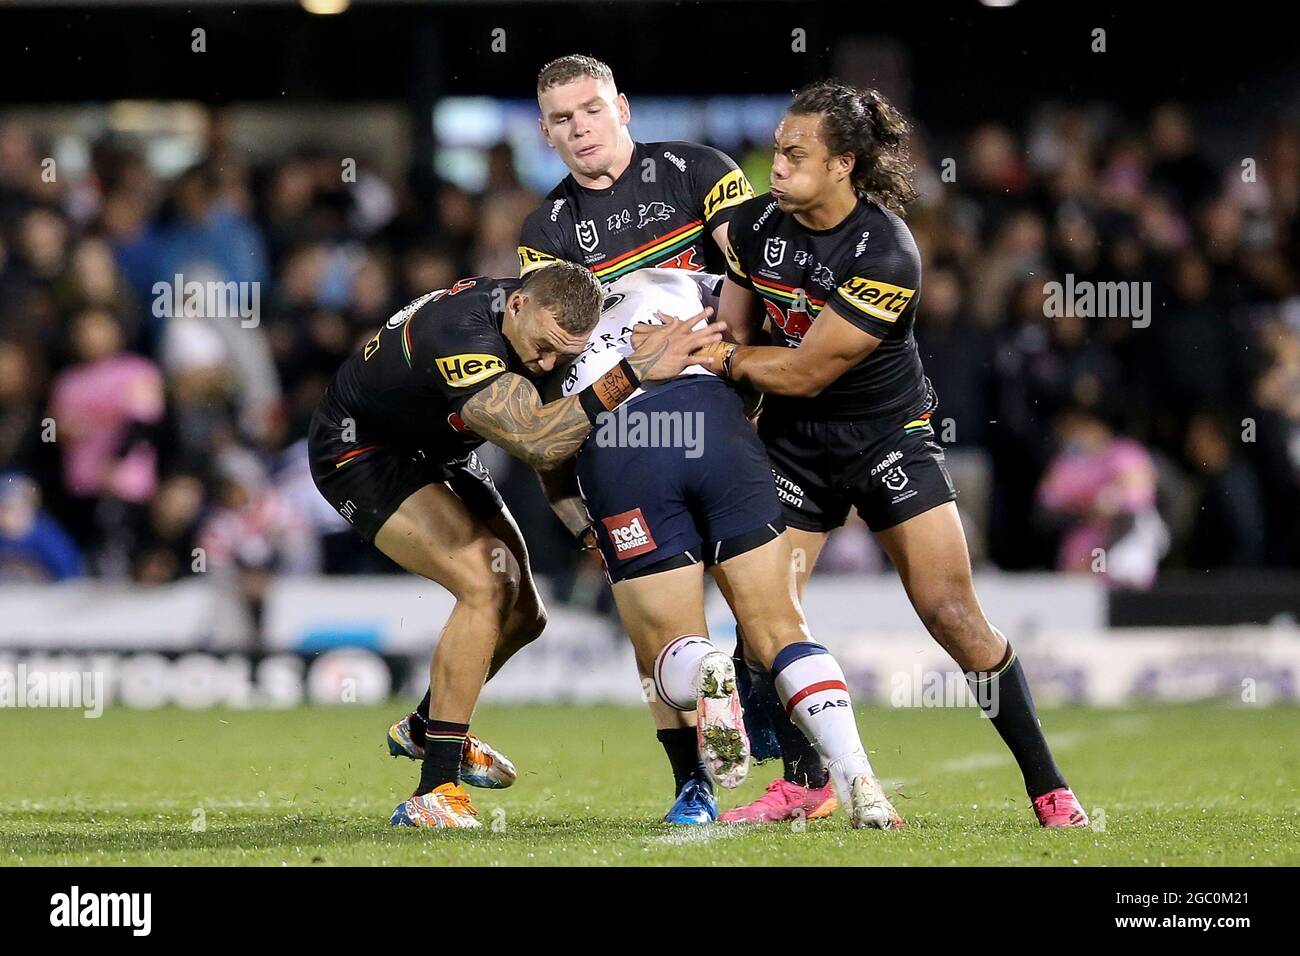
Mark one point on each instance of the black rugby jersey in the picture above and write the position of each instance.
(869, 268)
(660, 212)
(407, 384)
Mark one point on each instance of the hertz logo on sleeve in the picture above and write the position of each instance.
(731, 190)
(879, 299)
(531, 259)
(460, 371)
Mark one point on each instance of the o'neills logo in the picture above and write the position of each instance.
(629, 533)
(885, 462)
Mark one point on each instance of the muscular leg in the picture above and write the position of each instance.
(930, 554)
(805, 547)
(434, 534)
(800, 762)
(655, 609)
(761, 584)
(760, 587)
(527, 617)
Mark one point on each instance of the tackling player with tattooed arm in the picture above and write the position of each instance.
(392, 449)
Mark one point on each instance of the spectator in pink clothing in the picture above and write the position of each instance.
(1100, 492)
(254, 533)
(105, 409)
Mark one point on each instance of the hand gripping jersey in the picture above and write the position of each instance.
(660, 212)
(407, 385)
(630, 301)
(868, 269)
(680, 476)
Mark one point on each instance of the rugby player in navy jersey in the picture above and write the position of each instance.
(675, 481)
(827, 260)
(391, 447)
(624, 206)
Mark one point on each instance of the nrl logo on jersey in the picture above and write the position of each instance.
(588, 238)
(774, 252)
(653, 212)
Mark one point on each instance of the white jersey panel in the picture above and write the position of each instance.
(630, 301)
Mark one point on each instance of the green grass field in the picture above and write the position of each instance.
(1187, 785)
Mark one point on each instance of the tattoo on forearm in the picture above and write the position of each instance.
(509, 413)
(643, 362)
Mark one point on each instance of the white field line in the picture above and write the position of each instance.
(1066, 740)
(699, 835)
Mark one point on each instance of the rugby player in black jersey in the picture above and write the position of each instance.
(392, 449)
(827, 259)
(626, 206)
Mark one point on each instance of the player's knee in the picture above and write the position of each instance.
(488, 581)
(531, 614)
(953, 618)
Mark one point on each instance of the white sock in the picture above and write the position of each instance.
(811, 685)
(675, 669)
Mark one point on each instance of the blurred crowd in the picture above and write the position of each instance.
(146, 446)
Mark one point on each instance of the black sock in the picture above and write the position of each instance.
(683, 750)
(443, 746)
(418, 718)
(802, 763)
(1003, 693)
